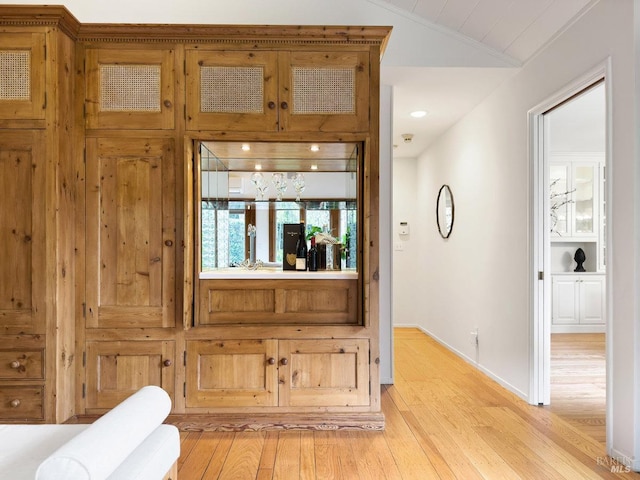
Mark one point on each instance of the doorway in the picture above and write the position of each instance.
(570, 163)
(575, 146)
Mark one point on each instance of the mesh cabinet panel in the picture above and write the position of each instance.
(15, 75)
(231, 89)
(130, 88)
(323, 90)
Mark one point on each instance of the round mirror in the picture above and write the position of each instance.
(445, 211)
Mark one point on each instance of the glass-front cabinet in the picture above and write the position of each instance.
(574, 194)
(254, 197)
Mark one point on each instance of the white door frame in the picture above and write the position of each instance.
(540, 320)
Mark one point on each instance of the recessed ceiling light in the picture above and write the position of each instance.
(258, 166)
(314, 167)
(418, 114)
(246, 147)
(314, 148)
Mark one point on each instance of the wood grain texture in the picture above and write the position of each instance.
(444, 420)
(578, 381)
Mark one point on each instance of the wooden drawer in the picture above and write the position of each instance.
(21, 403)
(21, 364)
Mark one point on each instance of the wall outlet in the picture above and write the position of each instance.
(398, 246)
(474, 337)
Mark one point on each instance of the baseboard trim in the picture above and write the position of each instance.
(470, 361)
(268, 422)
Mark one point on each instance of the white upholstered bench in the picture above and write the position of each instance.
(129, 442)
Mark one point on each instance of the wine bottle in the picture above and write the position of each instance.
(301, 250)
(313, 256)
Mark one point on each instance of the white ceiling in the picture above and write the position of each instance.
(517, 29)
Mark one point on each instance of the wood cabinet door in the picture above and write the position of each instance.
(130, 233)
(324, 372)
(232, 373)
(324, 91)
(115, 370)
(232, 90)
(22, 232)
(130, 88)
(22, 76)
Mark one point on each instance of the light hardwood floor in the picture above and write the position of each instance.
(444, 420)
(578, 381)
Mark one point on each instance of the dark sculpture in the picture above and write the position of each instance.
(579, 257)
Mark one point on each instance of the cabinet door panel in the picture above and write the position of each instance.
(324, 91)
(116, 370)
(232, 90)
(231, 373)
(22, 76)
(324, 372)
(592, 300)
(130, 233)
(130, 88)
(22, 232)
(565, 305)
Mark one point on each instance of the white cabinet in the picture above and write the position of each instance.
(575, 200)
(578, 303)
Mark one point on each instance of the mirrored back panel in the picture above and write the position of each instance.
(250, 193)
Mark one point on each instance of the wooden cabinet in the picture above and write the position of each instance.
(578, 303)
(21, 403)
(133, 88)
(36, 217)
(97, 221)
(22, 232)
(268, 91)
(117, 369)
(232, 373)
(271, 302)
(130, 233)
(282, 373)
(22, 75)
(22, 378)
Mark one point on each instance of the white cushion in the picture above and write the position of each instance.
(153, 458)
(96, 452)
(24, 447)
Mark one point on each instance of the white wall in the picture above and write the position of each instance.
(405, 247)
(385, 212)
(481, 276)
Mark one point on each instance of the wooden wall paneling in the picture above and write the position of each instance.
(273, 302)
(80, 227)
(371, 243)
(61, 204)
(22, 231)
(190, 247)
(130, 233)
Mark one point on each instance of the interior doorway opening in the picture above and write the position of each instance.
(575, 158)
(571, 162)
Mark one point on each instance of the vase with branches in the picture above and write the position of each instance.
(557, 201)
